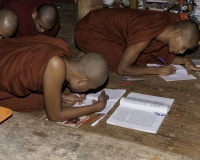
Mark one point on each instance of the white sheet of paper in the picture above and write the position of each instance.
(181, 74)
(114, 96)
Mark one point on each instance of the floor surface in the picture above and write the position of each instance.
(25, 136)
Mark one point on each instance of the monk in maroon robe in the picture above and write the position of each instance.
(129, 39)
(27, 12)
(34, 70)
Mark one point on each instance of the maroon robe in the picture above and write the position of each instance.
(111, 31)
(23, 62)
(24, 10)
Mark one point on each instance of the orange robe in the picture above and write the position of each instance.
(23, 62)
(111, 31)
(24, 10)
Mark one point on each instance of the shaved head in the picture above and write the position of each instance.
(47, 13)
(8, 23)
(190, 30)
(95, 67)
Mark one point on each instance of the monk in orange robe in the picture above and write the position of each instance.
(34, 70)
(131, 38)
(35, 17)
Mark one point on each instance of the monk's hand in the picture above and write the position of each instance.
(190, 66)
(102, 100)
(166, 70)
(73, 97)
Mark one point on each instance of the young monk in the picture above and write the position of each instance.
(8, 23)
(33, 71)
(35, 16)
(129, 39)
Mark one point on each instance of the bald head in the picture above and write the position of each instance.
(8, 23)
(190, 30)
(95, 67)
(47, 13)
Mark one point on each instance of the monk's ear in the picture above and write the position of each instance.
(83, 81)
(34, 14)
(178, 34)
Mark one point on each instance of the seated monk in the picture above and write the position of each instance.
(35, 17)
(8, 23)
(131, 38)
(35, 69)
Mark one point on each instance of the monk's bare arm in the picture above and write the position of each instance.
(126, 67)
(53, 79)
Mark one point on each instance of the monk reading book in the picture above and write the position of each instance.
(131, 38)
(34, 71)
(35, 16)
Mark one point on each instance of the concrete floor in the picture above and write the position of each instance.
(25, 137)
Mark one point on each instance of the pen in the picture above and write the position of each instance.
(91, 118)
(162, 60)
(133, 79)
(93, 124)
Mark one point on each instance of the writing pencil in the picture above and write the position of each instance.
(91, 118)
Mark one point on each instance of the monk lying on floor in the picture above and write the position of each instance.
(129, 39)
(33, 71)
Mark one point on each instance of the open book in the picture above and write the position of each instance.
(114, 96)
(181, 73)
(141, 112)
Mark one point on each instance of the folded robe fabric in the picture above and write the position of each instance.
(23, 62)
(111, 31)
(24, 10)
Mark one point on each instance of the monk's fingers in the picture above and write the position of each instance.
(172, 71)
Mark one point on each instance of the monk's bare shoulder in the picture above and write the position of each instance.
(56, 66)
(56, 61)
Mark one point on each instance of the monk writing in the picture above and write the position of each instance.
(35, 69)
(129, 39)
(35, 16)
(8, 23)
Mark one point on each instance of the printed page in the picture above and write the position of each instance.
(144, 105)
(114, 94)
(134, 115)
(181, 74)
(135, 119)
(148, 103)
(108, 107)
